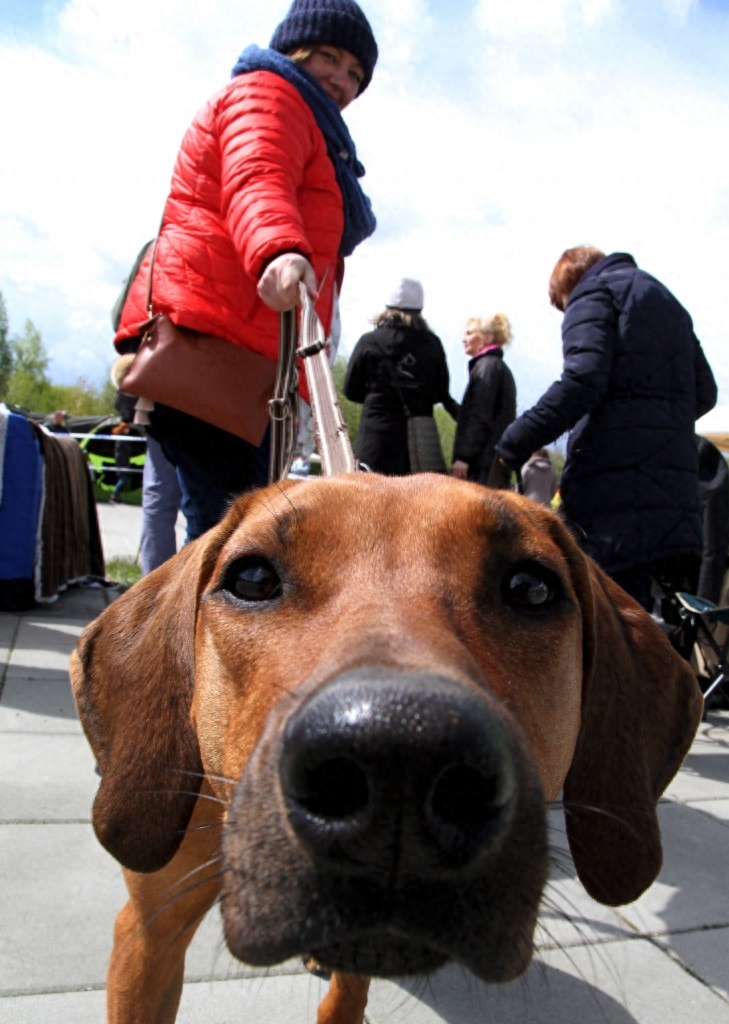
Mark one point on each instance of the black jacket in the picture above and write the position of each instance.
(488, 407)
(417, 361)
(634, 381)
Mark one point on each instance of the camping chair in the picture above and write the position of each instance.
(708, 624)
(698, 627)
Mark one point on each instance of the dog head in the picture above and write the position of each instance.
(396, 676)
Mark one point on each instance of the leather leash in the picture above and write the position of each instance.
(330, 429)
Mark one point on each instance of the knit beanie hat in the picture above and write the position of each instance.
(408, 296)
(338, 23)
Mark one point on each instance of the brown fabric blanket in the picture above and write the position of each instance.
(71, 539)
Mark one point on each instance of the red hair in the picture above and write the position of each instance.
(570, 268)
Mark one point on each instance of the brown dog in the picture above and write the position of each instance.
(374, 687)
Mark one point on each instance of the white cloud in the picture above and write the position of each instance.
(492, 142)
(543, 18)
(681, 9)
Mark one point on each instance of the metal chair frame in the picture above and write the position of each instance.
(698, 616)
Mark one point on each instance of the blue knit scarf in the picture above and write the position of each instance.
(359, 221)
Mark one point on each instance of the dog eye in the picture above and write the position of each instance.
(531, 588)
(252, 579)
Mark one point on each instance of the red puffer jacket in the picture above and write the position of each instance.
(252, 180)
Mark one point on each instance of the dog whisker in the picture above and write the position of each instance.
(606, 812)
(205, 775)
(188, 792)
(177, 895)
(192, 923)
(595, 949)
(205, 827)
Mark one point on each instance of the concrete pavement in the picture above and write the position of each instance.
(121, 526)
(661, 960)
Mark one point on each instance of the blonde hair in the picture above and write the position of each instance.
(498, 325)
(301, 54)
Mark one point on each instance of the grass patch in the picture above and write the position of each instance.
(102, 495)
(123, 570)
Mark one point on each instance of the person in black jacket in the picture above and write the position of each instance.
(489, 402)
(634, 381)
(400, 365)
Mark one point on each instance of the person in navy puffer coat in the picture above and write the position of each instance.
(634, 381)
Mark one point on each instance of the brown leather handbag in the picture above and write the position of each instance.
(201, 374)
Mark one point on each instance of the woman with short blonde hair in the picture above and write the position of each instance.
(489, 402)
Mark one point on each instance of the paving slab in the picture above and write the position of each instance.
(691, 890)
(43, 647)
(273, 999)
(53, 777)
(8, 628)
(704, 954)
(57, 924)
(630, 982)
(43, 704)
(121, 528)
(718, 809)
(705, 772)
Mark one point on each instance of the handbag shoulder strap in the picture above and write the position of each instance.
(150, 307)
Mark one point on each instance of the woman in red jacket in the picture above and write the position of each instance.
(265, 194)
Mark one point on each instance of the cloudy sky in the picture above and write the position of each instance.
(495, 133)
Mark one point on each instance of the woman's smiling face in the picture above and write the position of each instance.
(337, 71)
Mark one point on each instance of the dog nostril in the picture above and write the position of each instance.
(465, 797)
(335, 789)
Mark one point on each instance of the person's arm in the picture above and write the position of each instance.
(706, 391)
(589, 331)
(266, 142)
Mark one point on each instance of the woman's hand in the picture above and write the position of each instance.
(460, 469)
(279, 284)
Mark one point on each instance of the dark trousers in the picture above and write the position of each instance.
(213, 466)
(671, 575)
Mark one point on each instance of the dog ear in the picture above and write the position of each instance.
(641, 706)
(132, 676)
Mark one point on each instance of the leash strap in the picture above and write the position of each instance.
(284, 406)
(330, 429)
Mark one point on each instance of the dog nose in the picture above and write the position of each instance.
(397, 774)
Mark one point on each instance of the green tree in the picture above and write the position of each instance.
(85, 398)
(29, 354)
(6, 355)
(350, 410)
(28, 384)
(558, 457)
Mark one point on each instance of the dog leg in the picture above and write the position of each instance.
(154, 929)
(345, 1000)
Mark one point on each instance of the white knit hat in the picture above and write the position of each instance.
(408, 294)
